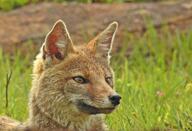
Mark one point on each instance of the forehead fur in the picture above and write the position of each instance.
(85, 62)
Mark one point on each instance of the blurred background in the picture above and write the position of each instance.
(152, 55)
(12, 4)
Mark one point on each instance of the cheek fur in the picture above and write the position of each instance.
(75, 88)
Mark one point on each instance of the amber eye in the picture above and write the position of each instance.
(109, 80)
(80, 79)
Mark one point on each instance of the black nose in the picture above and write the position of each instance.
(115, 99)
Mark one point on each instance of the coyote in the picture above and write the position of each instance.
(73, 86)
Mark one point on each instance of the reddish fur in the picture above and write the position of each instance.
(52, 44)
(91, 91)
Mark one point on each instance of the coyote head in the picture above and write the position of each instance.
(77, 78)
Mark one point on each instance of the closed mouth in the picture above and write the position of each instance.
(93, 110)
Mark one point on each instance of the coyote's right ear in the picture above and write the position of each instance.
(57, 43)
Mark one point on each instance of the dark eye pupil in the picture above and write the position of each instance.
(80, 79)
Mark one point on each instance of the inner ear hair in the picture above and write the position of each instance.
(57, 42)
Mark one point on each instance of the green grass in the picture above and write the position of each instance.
(155, 82)
(19, 85)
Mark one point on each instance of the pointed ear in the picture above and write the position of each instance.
(101, 45)
(57, 43)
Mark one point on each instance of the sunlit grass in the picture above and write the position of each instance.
(155, 82)
(19, 85)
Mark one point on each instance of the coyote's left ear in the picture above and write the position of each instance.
(101, 45)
